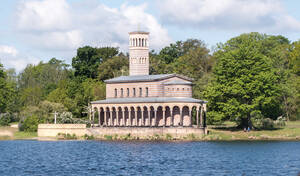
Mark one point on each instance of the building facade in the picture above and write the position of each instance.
(143, 100)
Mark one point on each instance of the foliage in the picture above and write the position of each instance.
(30, 124)
(66, 136)
(88, 59)
(244, 81)
(7, 92)
(5, 119)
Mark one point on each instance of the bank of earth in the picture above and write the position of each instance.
(226, 132)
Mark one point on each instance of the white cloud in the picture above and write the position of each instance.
(246, 15)
(11, 58)
(59, 25)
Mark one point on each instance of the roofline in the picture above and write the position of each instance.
(173, 101)
(147, 80)
(138, 32)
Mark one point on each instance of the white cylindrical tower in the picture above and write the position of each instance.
(138, 53)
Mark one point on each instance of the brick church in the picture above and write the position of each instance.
(143, 100)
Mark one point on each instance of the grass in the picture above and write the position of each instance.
(25, 135)
(228, 132)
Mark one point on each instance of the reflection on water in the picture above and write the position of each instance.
(149, 158)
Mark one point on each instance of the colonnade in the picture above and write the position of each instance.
(148, 116)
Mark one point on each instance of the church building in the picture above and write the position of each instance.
(147, 101)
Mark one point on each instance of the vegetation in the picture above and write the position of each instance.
(251, 80)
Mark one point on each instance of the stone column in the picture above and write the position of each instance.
(172, 117)
(201, 116)
(105, 117)
(130, 113)
(135, 116)
(123, 115)
(99, 117)
(181, 116)
(149, 116)
(190, 115)
(93, 118)
(155, 117)
(143, 118)
(111, 117)
(197, 117)
(164, 116)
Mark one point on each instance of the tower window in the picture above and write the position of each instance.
(140, 42)
(147, 91)
(127, 92)
(121, 92)
(141, 93)
(116, 92)
(143, 42)
(134, 92)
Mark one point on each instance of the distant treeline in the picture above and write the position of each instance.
(252, 76)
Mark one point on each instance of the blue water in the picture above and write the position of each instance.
(149, 158)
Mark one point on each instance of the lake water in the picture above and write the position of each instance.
(149, 158)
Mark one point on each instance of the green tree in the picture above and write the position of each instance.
(88, 59)
(245, 82)
(113, 67)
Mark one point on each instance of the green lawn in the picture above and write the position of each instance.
(228, 132)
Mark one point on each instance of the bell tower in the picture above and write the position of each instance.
(138, 53)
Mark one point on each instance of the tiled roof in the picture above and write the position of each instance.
(142, 78)
(148, 100)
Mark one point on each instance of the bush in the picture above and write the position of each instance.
(268, 123)
(5, 119)
(30, 124)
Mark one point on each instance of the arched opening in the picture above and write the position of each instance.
(139, 41)
(176, 116)
(107, 116)
(141, 92)
(159, 117)
(126, 115)
(168, 116)
(127, 92)
(194, 116)
(139, 116)
(120, 115)
(143, 43)
(116, 93)
(151, 116)
(134, 92)
(131, 118)
(186, 116)
(114, 116)
(147, 92)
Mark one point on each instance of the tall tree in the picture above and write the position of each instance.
(88, 59)
(245, 83)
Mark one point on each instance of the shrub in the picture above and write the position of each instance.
(30, 124)
(5, 119)
(168, 136)
(87, 137)
(108, 137)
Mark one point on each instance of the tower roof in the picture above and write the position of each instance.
(138, 32)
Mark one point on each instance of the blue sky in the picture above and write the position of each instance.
(37, 30)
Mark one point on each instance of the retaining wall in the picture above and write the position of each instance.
(51, 130)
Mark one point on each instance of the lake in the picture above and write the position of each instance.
(148, 158)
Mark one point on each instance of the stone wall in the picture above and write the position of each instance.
(145, 132)
(51, 130)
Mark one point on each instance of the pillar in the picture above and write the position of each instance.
(118, 117)
(143, 118)
(105, 117)
(201, 117)
(181, 116)
(190, 115)
(149, 116)
(130, 113)
(123, 115)
(135, 116)
(110, 116)
(155, 117)
(99, 117)
(93, 118)
(172, 117)
(164, 116)
(197, 117)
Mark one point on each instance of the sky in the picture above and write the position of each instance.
(38, 30)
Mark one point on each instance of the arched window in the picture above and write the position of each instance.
(140, 42)
(141, 93)
(127, 92)
(146, 44)
(136, 42)
(143, 43)
(147, 91)
(116, 92)
(134, 92)
(121, 92)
